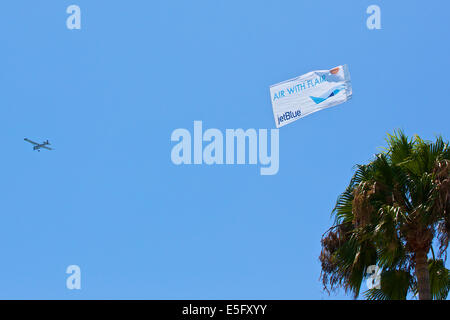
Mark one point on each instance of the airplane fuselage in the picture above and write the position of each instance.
(38, 147)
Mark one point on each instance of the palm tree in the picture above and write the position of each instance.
(391, 214)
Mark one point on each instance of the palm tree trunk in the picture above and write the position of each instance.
(423, 275)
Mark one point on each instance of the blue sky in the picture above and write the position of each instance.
(108, 97)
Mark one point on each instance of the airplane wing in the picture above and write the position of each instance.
(28, 140)
(45, 147)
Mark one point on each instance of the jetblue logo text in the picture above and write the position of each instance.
(213, 152)
(289, 115)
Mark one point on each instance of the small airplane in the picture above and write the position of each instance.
(38, 146)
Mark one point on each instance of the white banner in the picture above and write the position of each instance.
(296, 98)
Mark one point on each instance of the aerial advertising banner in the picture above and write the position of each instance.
(296, 98)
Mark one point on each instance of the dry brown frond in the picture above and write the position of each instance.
(442, 204)
(361, 207)
(332, 277)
